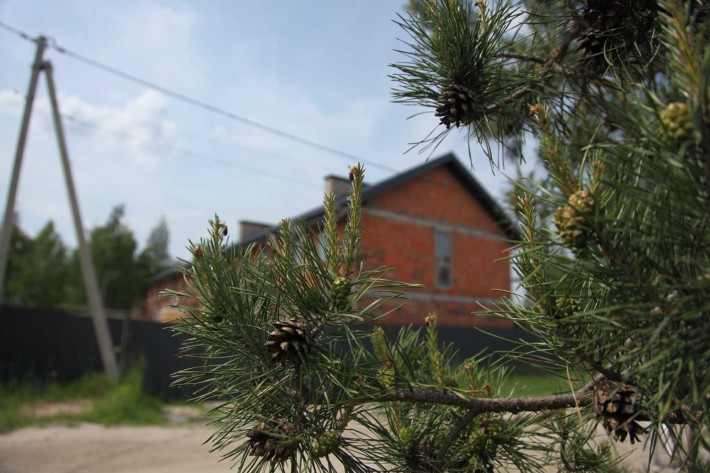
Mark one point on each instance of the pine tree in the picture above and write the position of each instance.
(616, 276)
(155, 257)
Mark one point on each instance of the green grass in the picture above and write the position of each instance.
(536, 382)
(125, 403)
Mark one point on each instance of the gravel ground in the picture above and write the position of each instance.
(89, 448)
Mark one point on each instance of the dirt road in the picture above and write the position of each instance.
(89, 448)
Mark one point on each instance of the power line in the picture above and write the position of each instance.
(15, 31)
(195, 156)
(188, 153)
(200, 157)
(198, 103)
(156, 129)
(214, 109)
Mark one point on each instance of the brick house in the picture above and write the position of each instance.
(434, 224)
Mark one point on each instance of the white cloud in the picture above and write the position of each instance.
(115, 160)
(11, 102)
(137, 130)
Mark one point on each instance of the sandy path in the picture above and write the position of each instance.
(89, 448)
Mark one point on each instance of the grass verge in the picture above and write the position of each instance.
(127, 404)
(106, 404)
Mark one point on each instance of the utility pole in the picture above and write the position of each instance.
(98, 315)
(96, 306)
(9, 220)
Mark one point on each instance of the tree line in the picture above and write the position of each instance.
(44, 272)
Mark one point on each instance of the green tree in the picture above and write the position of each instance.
(19, 248)
(616, 277)
(44, 274)
(155, 257)
(37, 268)
(113, 252)
(120, 269)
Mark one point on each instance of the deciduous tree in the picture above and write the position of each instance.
(121, 270)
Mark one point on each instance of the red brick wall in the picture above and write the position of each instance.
(440, 196)
(399, 231)
(450, 314)
(157, 305)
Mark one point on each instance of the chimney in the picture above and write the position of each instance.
(248, 229)
(339, 186)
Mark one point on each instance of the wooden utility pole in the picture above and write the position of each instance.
(98, 315)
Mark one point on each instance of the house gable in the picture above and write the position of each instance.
(402, 219)
(439, 197)
(439, 194)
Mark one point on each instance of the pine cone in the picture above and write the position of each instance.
(617, 404)
(272, 442)
(570, 220)
(456, 107)
(676, 121)
(327, 443)
(340, 293)
(614, 25)
(289, 342)
(567, 306)
(604, 15)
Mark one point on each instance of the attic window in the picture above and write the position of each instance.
(442, 249)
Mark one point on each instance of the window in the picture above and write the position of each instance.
(321, 244)
(442, 244)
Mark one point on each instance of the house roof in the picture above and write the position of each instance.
(175, 269)
(372, 191)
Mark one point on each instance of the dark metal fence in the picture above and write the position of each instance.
(53, 344)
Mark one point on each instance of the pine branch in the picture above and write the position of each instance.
(455, 432)
(516, 405)
(484, 405)
(560, 50)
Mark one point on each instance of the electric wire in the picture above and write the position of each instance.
(196, 102)
(15, 31)
(199, 103)
(194, 136)
(173, 149)
(218, 110)
(188, 153)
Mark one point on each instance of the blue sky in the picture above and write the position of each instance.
(314, 69)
